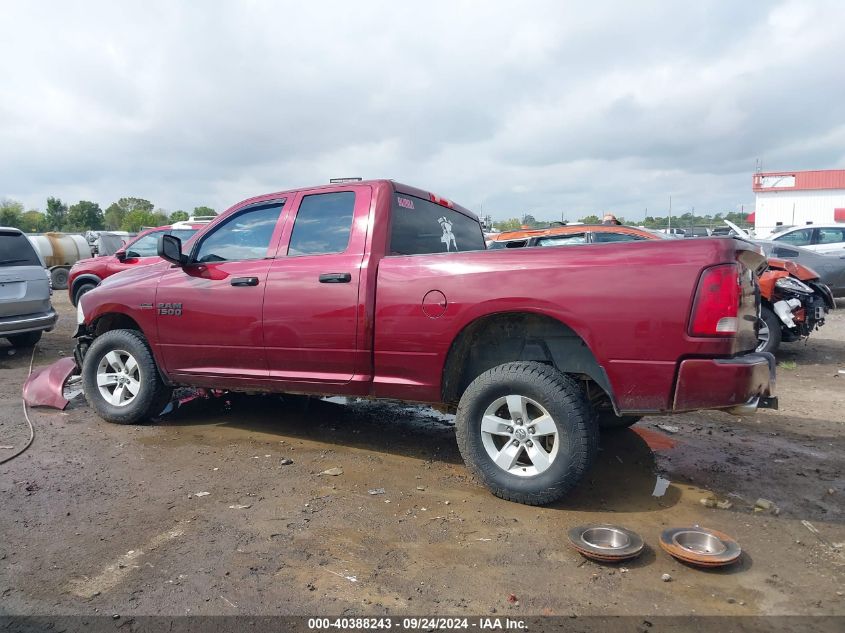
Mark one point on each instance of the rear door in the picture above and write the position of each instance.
(24, 288)
(312, 310)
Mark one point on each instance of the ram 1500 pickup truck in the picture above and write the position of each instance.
(377, 289)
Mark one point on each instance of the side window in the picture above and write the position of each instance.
(607, 236)
(421, 227)
(798, 238)
(147, 246)
(244, 236)
(782, 251)
(323, 224)
(831, 236)
(563, 240)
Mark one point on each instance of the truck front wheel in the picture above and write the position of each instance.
(120, 378)
(527, 432)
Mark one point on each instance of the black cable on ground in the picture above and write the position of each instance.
(26, 417)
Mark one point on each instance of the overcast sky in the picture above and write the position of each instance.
(522, 107)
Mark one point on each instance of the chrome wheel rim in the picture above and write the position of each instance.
(118, 378)
(519, 436)
(762, 334)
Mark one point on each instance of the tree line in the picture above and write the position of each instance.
(127, 214)
(684, 220)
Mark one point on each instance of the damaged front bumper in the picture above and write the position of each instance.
(739, 385)
(45, 386)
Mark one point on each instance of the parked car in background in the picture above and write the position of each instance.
(574, 234)
(86, 274)
(25, 309)
(825, 238)
(829, 266)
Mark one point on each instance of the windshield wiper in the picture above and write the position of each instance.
(12, 261)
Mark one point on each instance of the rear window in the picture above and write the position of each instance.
(507, 244)
(183, 234)
(15, 250)
(421, 227)
(563, 240)
(607, 236)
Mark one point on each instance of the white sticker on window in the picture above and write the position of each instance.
(448, 238)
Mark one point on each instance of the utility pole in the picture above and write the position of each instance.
(670, 214)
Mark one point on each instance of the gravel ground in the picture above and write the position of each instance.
(200, 513)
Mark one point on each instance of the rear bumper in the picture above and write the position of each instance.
(28, 323)
(741, 383)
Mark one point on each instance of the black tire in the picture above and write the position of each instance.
(58, 278)
(81, 290)
(609, 421)
(571, 413)
(770, 320)
(27, 339)
(152, 394)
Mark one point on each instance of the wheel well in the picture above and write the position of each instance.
(83, 280)
(115, 321)
(511, 336)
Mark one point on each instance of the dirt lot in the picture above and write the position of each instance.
(99, 518)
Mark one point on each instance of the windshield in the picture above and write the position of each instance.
(15, 250)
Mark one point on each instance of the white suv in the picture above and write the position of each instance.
(25, 310)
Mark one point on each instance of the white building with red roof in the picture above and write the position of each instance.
(796, 198)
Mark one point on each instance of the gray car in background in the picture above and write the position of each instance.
(25, 309)
(829, 266)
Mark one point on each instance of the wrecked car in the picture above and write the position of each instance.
(378, 289)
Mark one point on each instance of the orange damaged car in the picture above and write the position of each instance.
(573, 234)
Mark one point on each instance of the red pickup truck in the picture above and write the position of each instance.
(87, 273)
(378, 289)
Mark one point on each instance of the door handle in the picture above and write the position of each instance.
(335, 278)
(245, 281)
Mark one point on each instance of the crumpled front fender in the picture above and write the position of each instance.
(45, 385)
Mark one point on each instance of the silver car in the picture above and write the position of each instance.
(25, 309)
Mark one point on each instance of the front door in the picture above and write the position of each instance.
(209, 312)
(312, 309)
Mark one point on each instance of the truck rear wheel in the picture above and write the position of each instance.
(120, 378)
(527, 432)
(58, 278)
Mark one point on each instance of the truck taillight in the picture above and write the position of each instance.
(716, 307)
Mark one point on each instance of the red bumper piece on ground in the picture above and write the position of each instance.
(45, 385)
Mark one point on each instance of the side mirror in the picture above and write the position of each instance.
(121, 255)
(170, 249)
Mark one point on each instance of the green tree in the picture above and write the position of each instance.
(85, 216)
(10, 213)
(56, 214)
(138, 219)
(178, 216)
(204, 211)
(113, 217)
(507, 225)
(590, 219)
(529, 220)
(33, 221)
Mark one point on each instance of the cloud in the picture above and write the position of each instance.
(543, 107)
